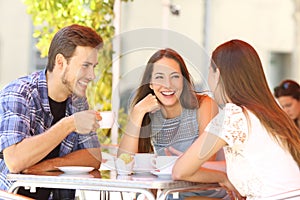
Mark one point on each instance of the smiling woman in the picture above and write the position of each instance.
(165, 108)
(166, 115)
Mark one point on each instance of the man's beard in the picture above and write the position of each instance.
(65, 81)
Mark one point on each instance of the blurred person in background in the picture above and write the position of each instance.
(288, 96)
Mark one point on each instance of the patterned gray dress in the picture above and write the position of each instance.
(179, 132)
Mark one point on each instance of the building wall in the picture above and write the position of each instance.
(268, 25)
(180, 32)
(15, 40)
(201, 25)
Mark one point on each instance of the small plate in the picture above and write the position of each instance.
(144, 176)
(81, 175)
(163, 175)
(142, 170)
(75, 169)
(124, 173)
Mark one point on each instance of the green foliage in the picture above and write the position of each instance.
(51, 15)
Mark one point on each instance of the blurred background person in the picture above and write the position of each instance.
(288, 96)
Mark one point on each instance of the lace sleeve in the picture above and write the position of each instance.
(230, 125)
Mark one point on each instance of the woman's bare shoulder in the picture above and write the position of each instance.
(204, 98)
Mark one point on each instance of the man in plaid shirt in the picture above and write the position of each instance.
(44, 118)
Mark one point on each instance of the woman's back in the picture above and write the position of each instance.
(256, 164)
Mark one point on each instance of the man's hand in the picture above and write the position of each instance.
(86, 121)
(39, 168)
(84, 157)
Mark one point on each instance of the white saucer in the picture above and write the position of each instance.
(142, 170)
(75, 169)
(163, 175)
(81, 175)
(124, 173)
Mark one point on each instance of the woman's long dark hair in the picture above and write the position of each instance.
(243, 81)
(188, 98)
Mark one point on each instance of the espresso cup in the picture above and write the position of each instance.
(143, 161)
(122, 167)
(107, 119)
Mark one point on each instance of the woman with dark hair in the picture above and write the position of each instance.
(288, 96)
(167, 98)
(166, 112)
(261, 143)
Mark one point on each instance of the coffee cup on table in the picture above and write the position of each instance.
(143, 161)
(124, 164)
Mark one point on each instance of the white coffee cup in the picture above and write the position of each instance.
(122, 167)
(164, 162)
(143, 161)
(107, 119)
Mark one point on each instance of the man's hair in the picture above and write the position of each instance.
(68, 38)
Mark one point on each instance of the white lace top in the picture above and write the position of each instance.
(256, 165)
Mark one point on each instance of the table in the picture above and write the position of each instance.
(106, 180)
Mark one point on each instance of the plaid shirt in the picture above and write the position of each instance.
(25, 112)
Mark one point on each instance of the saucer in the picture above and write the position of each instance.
(75, 169)
(163, 175)
(142, 170)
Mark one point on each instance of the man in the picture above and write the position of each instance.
(44, 121)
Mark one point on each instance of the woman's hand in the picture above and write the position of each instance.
(148, 104)
(231, 191)
(170, 151)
